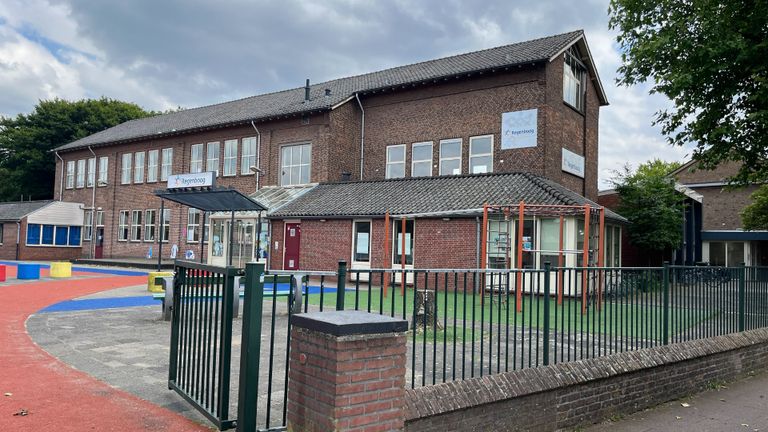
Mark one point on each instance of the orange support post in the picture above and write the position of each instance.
(386, 251)
(587, 210)
(560, 265)
(601, 258)
(402, 258)
(483, 252)
(519, 284)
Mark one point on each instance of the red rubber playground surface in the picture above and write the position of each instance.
(54, 396)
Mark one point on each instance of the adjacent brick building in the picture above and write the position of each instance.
(40, 230)
(527, 107)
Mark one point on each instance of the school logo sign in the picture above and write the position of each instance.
(176, 181)
(519, 129)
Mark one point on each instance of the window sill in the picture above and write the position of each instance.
(580, 111)
(53, 246)
(229, 175)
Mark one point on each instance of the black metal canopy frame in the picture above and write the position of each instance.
(207, 199)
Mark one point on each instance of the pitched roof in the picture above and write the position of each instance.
(15, 211)
(430, 195)
(291, 102)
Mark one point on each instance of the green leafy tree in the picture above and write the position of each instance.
(755, 215)
(27, 164)
(652, 205)
(709, 58)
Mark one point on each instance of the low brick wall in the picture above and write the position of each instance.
(586, 391)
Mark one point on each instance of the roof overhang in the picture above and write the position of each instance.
(690, 193)
(211, 199)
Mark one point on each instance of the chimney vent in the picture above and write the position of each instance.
(306, 91)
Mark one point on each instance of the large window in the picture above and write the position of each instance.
(230, 157)
(88, 225)
(196, 159)
(91, 172)
(103, 169)
(125, 169)
(122, 223)
(421, 159)
(70, 174)
(54, 235)
(81, 173)
(152, 157)
(450, 157)
(136, 225)
(149, 226)
(397, 248)
(549, 242)
(729, 254)
(167, 168)
(165, 233)
(212, 161)
(395, 161)
(138, 168)
(295, 164)
(193, 225)
(248, 159)
(612, 246)
(481, 154)
(573, 80)
(362, 239)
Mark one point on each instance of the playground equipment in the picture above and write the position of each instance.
(61, 269)
(28, 271)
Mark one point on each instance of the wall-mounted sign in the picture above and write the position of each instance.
(519, 129)
(202, 179)
(573, 163)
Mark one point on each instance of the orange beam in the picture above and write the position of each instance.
(518, 286)
(585, 260)
(560, 265)
(386, 250)
(402, 258)
(601, 257)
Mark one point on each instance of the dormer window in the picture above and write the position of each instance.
(573, 79)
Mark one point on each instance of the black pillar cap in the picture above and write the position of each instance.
(348, 323)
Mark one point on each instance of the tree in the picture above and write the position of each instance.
(755, 215)
(27, 164)
(654, 208)
(709, 58)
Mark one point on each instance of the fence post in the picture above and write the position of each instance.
(546, 312)
(341, 285)
(742, 296)
(178, 281)
(666, 311)
(248, 393)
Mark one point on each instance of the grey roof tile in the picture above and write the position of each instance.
(291, 102)
(14, 211)
(430, 195)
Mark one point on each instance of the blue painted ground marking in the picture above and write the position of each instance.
(90, 269)
(100, 303)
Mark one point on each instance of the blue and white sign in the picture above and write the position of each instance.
(202, 179)
(519, 129)
(573, 163)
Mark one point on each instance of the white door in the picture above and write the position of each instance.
(402, 248)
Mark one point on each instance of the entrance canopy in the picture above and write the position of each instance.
(211, 199)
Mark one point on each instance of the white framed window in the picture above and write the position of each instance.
(398, 240)
(81, 173)
(99, 219)
(212, 161)
(152, 157)
(248, 158)
(167, 168)
(136, 225)
(230, 158)
(103, 169)
(196, 159)
(122, 225)
(138, 167)
(193, 225)
(573, 79)
(87, 225)
(481, 154)
(421, 159)
(149, 226)
(126, 168)
(165, 232)
(395, 161)
(54, 235)
(450, 156)
(91, 172)
(295, 164)
(362, 241)
(70, 174)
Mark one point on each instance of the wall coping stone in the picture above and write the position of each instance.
(451, 396)
(347, 323)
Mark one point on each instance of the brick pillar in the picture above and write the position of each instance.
(347, 372)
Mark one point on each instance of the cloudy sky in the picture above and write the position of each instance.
(184, 53)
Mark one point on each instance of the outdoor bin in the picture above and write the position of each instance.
(28, 271)
(61, 269)
(155, 287)
(2, 272)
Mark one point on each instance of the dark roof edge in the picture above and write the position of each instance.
(590, 64)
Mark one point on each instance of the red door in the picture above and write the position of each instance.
(292, 242)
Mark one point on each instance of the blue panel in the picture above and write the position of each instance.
(734, 235)
(33, 234)
(61, 235)
(47, 235)
(74, 235)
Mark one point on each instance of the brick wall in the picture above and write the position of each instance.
(721, 209)
(574, 394)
